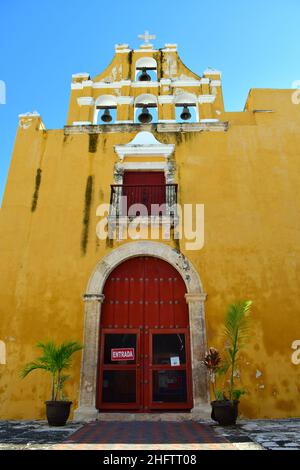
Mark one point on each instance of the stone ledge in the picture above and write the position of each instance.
(165, 127)
(87, 414)
(202, 413)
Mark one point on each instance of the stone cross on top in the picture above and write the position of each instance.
(146, 37)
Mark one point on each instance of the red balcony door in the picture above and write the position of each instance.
(145, 187)
(145, 324)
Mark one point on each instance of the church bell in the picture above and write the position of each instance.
(145, 116)
(106, 116)
(185, 115)
(145, 77)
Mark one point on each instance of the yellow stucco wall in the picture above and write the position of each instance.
(248, 179)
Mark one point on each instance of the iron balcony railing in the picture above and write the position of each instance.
(157, 200)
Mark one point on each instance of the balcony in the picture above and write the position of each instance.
(149, 203)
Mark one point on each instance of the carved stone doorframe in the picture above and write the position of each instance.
(93, 300)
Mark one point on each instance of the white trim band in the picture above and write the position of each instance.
(166, 99)
(81, 75)
(212, 71)
(112, 84)
(206, 99)
(85, 101)
(143, 166)
(82, 123)
(125, 100)
(215, 83)
(29, 115)
(144, 144)
(144, 84)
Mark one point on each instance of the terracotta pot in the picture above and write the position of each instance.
(225, 412)
(58, 412)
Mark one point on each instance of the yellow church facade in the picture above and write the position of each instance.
(150, 129)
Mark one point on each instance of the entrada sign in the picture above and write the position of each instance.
(124, 354)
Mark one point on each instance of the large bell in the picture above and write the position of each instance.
(145, 77)
(106, 116)
(185, 115)
(145, 117)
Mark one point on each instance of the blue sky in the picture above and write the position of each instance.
(255, 43)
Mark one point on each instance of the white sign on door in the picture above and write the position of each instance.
(175, 361)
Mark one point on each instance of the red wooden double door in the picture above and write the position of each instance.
(144, 354)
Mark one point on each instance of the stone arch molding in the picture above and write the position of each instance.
(154, 249)
(93, 299)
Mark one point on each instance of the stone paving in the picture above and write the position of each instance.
(247, 435)
(270, 434)
(33, 435)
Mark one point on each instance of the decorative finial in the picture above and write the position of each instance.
(146, 37)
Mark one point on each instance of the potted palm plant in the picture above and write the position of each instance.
(55, 360)
(236, 329)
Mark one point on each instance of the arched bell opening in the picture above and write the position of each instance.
(145, 109)
(105, 110)
(106, 115)
(186, 108)
(146, 70)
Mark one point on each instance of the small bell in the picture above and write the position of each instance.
(145, 77)
(106, 116)
(185, 115)
(145, 117)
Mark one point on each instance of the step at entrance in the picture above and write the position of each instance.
(202, 415)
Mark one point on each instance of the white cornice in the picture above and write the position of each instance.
(128, 83)
(212, 71)
(143, 166)
(29, 115)
(122, 48)
(216, 83)
(166, 99)
(85, 101)
(144, 84)
(125, 100)
(81, 75)
(123, 51)
(76, 86)
(206, 99)
(145, 50)
(116, 85)
(186, 83)
(144, 150)
(165, 82)
(129, 100)
(82, 123)
(144, 144)
(87, 83)
(170, 48)
(205, 81)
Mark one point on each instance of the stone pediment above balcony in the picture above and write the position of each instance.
(145, 145)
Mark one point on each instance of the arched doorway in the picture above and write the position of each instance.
(93, 303)
(144, 354)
